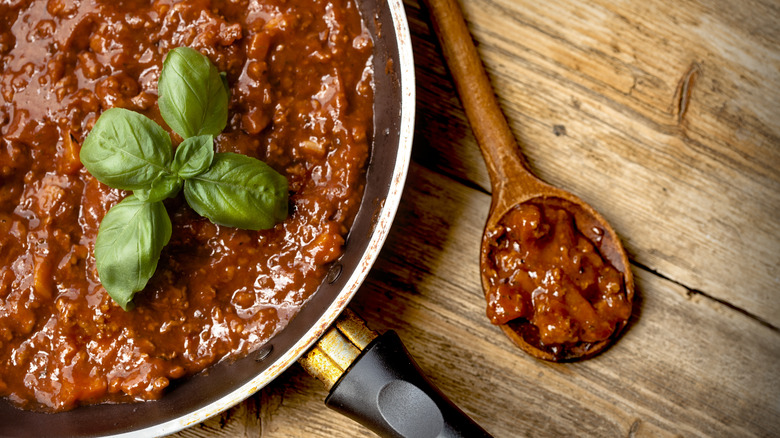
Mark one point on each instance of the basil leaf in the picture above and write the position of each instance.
(223, 77)
(126, 150)
(129, 241)
(239, 191)
(193, 100)
(193, 156)
(166, 186)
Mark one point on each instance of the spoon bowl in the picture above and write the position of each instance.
(588, 222)
(514, 185)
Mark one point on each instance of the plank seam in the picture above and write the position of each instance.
(691, 292)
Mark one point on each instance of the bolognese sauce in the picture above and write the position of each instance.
(301, 99)
(550, 283)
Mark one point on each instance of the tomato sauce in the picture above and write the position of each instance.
(301, 100)
(551, 282)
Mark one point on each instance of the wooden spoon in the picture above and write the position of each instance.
(511, 180)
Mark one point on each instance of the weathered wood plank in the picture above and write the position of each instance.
(686, 366)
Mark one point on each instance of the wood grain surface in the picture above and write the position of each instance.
(665, 117)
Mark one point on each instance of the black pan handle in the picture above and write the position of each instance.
(386, 391)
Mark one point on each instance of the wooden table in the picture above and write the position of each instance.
(663, 115)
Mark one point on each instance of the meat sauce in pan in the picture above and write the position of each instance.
(301, 100)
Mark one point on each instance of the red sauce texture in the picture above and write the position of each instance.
(301, 100)
(551, 278)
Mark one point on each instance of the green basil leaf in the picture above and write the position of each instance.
(126, 150)
(129, 241)
(193, 100)
(193, 156)
(166, 186)
(223, 77)
(239, 191)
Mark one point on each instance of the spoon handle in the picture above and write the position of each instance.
(498, 145)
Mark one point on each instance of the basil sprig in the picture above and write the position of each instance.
(129, 151)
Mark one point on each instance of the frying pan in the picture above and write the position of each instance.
(229, 382)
